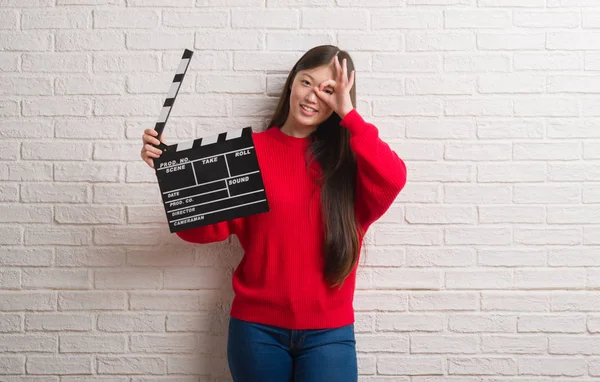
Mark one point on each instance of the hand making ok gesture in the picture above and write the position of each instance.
(339, 101)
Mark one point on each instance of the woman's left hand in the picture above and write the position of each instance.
(339, 100)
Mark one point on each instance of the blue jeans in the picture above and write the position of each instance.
(264, 353)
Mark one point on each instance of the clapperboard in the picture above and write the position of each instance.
(210, 179)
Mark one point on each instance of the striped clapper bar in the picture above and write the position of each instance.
(210, 179)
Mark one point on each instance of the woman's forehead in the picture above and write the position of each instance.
(320, 73)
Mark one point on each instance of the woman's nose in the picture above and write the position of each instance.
(312, 96)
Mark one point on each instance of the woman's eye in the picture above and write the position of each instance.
(305, 82)
(328, 91)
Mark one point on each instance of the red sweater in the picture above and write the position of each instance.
(279, 280)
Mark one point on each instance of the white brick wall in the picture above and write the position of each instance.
(484, 270)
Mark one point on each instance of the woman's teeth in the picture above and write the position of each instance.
(309, 109)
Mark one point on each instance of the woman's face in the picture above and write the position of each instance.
(306, 109)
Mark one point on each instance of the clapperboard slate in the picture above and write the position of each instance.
(210, 179)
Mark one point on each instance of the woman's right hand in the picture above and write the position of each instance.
(149, 151)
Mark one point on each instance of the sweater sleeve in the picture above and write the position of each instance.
(209, 233)
(381, 174)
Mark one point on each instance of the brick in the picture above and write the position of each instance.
(56, 150)
(28, 171)
(86, 343)
(127, 322)
(440, 257)
(56, 106)
(551, 324)
(482, 323)
(511, 41)
(512, 214)
(26, 86)
(126, 62)
(437, 41)
(476, 62)
(377, 300)
(117, 152)
(296, 41)
(57, 236)
(125, 194)
(170, 343)
(408, 62)
(478, 235)
(89, 214)
(88, 172)
(189, 322)
(89, 257)
(128, 279)
(482, 366)
(11, 323)
(265, 18)
(58, 322)
(479, 107)
(443, 301)
(56, 278)
(55, 62)
(391, 278)
(246, 83)
(553, 366)
(139, 106)
(549, 236)
(195, 19)
(453, 344)
(54, 19)
(27, 41)
(413, 19)
(515, 301)
(100, 85)
(10, 278)
(169, 301)
(11, 235)
(129, 236)
(515, 172)
(15, 256)
(394, 235)
(334, 18)
(461, 19)
(59, 365)
(87, 300)
(25, 214)
(547, 61)
(12, 364)
(405, 108)
(158, 40)
(440, 215)
(375, 42)
(542, 19)
(413, 365)
(195, 278)
(131, 365)
(41, 343)
(89, 41)
(125, 18)
(54, 193)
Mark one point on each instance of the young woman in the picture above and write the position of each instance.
(328, 176)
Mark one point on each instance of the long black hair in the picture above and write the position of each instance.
(330, 147)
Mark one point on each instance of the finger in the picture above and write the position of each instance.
(151, 132)
(338, 68)
(326, 83)
(149, 162)
(322, 95)
(351, 82)
(344, 69)
(148, 139)
(148, 154)
(152, 149)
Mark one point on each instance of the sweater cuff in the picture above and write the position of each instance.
(355, 123)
